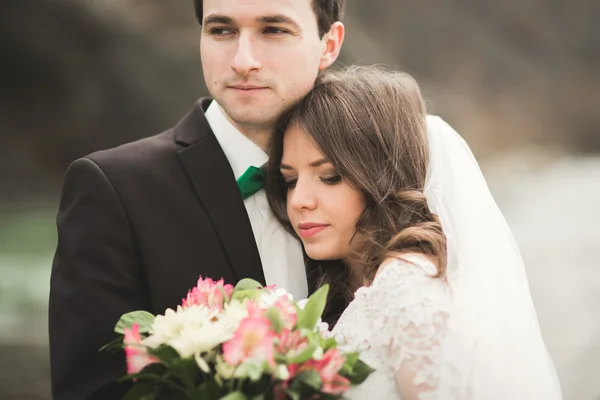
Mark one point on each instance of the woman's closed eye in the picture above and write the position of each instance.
(290, 183)
(331, 180)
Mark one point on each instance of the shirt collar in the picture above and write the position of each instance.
(240, 151)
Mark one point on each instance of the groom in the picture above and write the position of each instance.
(138, 224)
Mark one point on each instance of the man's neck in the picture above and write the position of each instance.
(259, 135)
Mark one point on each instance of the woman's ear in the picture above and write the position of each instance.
(331, 44)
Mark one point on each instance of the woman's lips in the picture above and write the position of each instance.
(310, 229)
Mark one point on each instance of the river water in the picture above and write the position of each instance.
(554, 216)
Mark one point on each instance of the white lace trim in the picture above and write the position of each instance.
(399, 324)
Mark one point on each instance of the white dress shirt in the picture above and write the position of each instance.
(280, 252)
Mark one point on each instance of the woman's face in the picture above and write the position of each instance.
(323, 209)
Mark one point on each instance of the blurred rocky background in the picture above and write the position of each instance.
(520, 80)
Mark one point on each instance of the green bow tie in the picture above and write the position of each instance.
(251, 181)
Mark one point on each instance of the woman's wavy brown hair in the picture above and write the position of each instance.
(369, 122)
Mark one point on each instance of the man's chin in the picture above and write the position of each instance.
(251, 114)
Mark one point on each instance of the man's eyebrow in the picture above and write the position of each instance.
(217, 19)
(278, 19)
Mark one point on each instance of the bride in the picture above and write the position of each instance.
(425, 276)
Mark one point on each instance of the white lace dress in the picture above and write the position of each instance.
(397, 324)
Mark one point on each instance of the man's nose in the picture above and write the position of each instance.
(245, 60)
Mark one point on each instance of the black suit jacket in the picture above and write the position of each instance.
(137, 225)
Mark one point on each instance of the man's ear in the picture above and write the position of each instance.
(331, 44)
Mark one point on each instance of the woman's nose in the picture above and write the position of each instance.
(303, 196)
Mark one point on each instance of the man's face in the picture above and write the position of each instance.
(259, 56)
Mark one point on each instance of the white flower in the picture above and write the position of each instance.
(224, 370)
(302, 303)
(201, 362)
(318, 353)
(323, 328)
(234, 312)
(167, 327)
(282, 372)
(190, 331)
(196, 338)
(270, 297)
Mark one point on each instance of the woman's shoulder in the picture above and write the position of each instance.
(411, 263)
(406, 289)
(410, 276)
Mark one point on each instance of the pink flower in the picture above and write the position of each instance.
(328, 368)
(291, 341)
(287, 312)
(209, 293)
(135, 352)
(337, 385)
(253, 340)
(254, 311)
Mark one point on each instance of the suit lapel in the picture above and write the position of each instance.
(214, 182)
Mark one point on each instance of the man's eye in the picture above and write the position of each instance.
(220, 31)
(271, 30)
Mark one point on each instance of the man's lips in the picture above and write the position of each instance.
(247, 88)
(309, 229)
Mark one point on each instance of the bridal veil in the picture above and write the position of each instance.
(494, 348)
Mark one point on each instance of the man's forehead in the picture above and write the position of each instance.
(254, 9)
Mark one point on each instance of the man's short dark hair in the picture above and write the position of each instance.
(326, 11)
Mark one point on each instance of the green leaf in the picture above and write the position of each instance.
(275, 317)
(252, 294)
(303, 356)
(259, 388)
(350, 360)
(166, 354)
(186, 371)
(222, 290)
(292, 394)
(247, 284)
(327, 396)
(254, 371)
(142, 376)
(359, 373)
(310, 378)
(235, 396)
(208, 390)
(141, 390)
(328, 343)
(113, 346)
(143, 318)
(362, 370)
(313, 310)
(247, 289)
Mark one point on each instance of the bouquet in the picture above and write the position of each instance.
(225, 343)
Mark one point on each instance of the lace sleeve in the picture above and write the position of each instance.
(408, 309)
